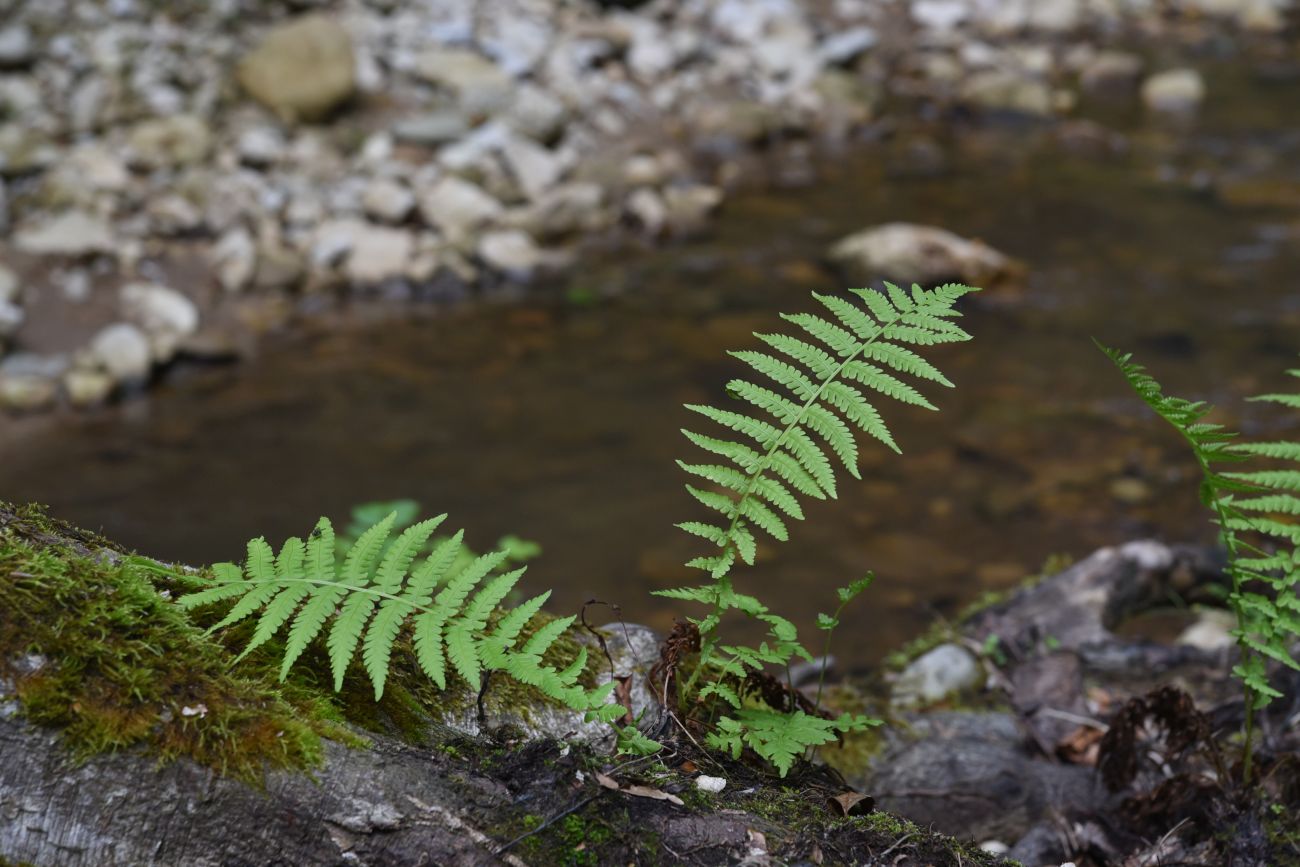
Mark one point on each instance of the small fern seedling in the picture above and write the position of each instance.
(449, 609)
(815, 392)
(1257, 504)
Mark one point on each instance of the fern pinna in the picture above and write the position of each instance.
(819, 402)
(376, 592)
(1252, 508)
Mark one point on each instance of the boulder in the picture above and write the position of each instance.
(73, 233)
(1174, 91)
(302, 70)
(909, 253)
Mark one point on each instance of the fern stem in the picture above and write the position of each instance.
(708, 641)
(325, 582)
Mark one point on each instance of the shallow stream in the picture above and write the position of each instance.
(556, 419)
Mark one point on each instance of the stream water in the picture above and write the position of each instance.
(557, 418)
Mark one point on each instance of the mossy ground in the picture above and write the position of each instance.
(91, 645)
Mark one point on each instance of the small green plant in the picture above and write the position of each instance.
(372, 596)
(820, 400)
(1252, 505)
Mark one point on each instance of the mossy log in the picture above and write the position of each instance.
(96, 769)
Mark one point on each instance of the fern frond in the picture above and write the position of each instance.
(811, 409)
(375, 593)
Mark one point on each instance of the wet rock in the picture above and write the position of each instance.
(234, 257)
(511, 252)
(647, 208)
(173, 215)
(168, 142)
(302, 70)
(1003, 90)
(388, 200)
(26, 392)
(689, 207)
(536, 113)
(166, 315)
(479, 85)
(432, 128)
(1111, 75)
(87, 388)
(909, 253)
(122, 350)
(1175, 91)
(260, 146)
(643, 170)
(458, 207)
(17, 48)
(948, 669)
(379, 253)
(74, 233)
(278, 266)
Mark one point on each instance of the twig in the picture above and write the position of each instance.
(548, 823)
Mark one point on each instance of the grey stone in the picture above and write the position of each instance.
(536, 112)
(1004, 90)
(24, 150)
(432, 128)
(9, 285)
(457, 207)
(1212, 631)
(689, 206)
(379, 253)
(480, 86)
(234, 257)
(173, 215)
(11, 319)
(302, 70)
(388, 200)
(569, 209)
(260, 146)
(909, 253)
(17, 47)
(167, 142)
(122, 350)
(1111, 74)
(278, 266)
(159, 310)
(74, 233)
(1175, 91)
(948, 669)
(648, 209)
(847, 46)
(512, 252)
(535, 168)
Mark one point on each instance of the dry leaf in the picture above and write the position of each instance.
(655, 794)
(623, 696)
(816, 855)
(607, 782)
(688, 767)
(1081, 746)
(851, 803)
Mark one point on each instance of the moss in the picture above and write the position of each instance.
(89, 646)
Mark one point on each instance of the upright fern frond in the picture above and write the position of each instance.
(1255, 511)
(367, 601)
(826, 382)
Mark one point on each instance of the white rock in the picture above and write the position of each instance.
(432, 128)
(847, 45)
(379, 253)
(1004, 90)
(511, 252)
(158, 308)
(536, 112)
(710, 784)
(1211, 631)
(1175, 91)
(171, 141)
(388, 200)
(74, 233)
(648, 209)
(173, 214)
(234, 257)
(98, 168)
(333, 240)
(1111, 74)
(123, 351)
(260, 146)
(996, 847)
(939, 15)
(535, 168)
(569, 209)
(480, 86)
(943, 671)
(908, 253)
(86, 388)
(16, 48)
(458, 207)
(11, 318)
(26, 392)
